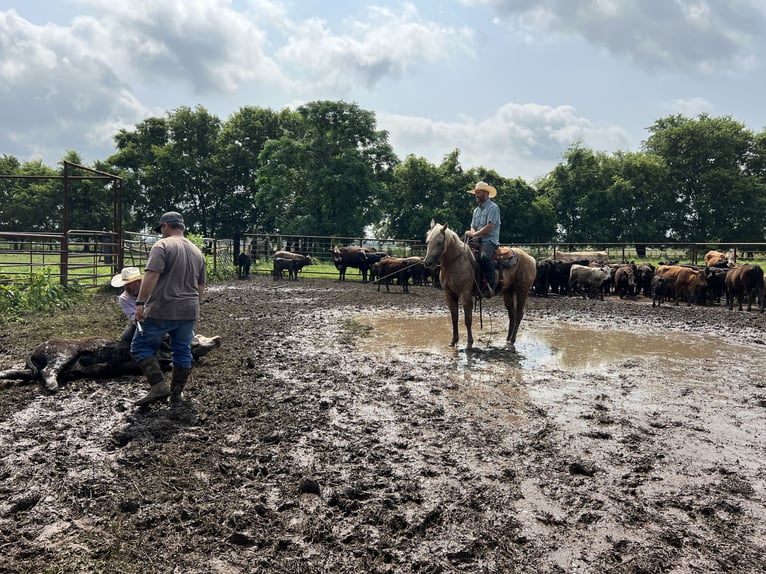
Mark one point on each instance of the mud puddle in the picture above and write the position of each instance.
(541, 345)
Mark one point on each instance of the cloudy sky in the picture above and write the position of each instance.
(510, 83)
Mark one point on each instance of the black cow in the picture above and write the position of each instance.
(542, 279)
(660, 287)
(644, 274)
(715, 284)
(745, 281)
(352, 256)
(292, 266)
(625, 281)
(59, 360)
(244, 263)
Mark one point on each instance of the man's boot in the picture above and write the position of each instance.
(180, 377)
(158, 390)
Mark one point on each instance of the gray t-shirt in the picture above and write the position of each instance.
(182, 270)
(482, 215)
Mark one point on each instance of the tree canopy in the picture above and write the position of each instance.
(325, 168)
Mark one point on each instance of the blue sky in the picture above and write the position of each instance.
(510, 83)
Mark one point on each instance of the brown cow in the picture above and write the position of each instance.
(389, 268)
(745, 281)
(716, 259)
(683, 280)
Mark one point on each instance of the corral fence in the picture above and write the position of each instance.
(262, 246)
(92, 257)
(87, 257)
(136, 246)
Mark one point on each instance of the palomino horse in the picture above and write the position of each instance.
(458, 273)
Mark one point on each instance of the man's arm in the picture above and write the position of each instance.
(487, 229)
(148, 284)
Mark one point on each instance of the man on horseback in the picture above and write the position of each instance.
(485, 227)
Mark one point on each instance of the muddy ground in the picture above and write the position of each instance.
(304, 447)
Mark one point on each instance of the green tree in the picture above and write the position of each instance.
(576, 190)
(643, 196)
(134, 161)
(323, 175)
(242, 139)
(31, 204)
(170, 164)
(414, 196)
(707, 160)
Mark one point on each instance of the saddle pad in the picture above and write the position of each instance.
(505, 257)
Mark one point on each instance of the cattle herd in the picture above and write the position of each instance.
(689, 284)
(586, 274)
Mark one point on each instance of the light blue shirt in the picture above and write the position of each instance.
(483, 214)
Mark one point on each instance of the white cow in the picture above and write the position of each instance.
(588, 280)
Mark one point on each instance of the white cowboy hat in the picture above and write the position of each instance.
(483, 185)
(128, 275)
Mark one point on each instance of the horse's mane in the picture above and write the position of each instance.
(450, 238)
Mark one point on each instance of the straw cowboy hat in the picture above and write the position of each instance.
(482, 185)
(128, 275)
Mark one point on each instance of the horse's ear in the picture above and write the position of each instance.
(433, 224)
(446, 226)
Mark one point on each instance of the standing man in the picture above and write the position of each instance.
(485, 225)
(168, 302)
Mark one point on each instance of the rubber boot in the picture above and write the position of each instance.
(158, 390)
(180, 377)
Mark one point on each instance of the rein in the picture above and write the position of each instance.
(466, 252)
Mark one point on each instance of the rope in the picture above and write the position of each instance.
(379, 279)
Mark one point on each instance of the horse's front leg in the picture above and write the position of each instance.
(468, 312)
(452, 304)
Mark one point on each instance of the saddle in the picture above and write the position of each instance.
(502, 258)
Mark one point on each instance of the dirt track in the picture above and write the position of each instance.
(299, 450)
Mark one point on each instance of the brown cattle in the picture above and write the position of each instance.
(745, 281)
(389, 268)
(715, 259)
(682, 280)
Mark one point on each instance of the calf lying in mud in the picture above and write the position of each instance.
(59, 360)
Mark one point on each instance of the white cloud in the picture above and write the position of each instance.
(204, 43)
(518, 140)
(667, 34)
(690, 107)
(386, 45)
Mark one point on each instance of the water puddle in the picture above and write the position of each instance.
(539, 345)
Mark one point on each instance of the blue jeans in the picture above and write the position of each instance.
(485, 262)
(181, 334)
